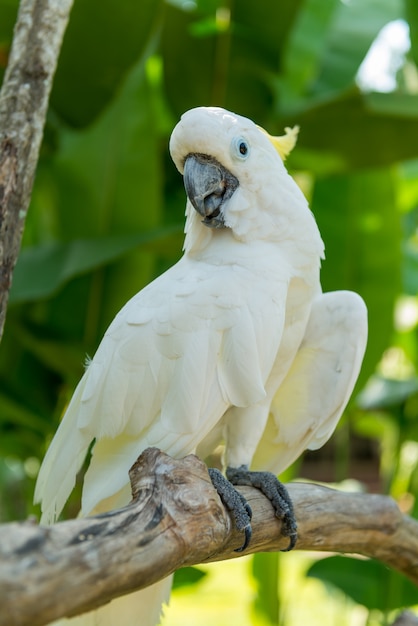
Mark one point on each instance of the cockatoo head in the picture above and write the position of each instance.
(235, 179)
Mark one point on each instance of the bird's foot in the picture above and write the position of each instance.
(235, 503)
(275, 491)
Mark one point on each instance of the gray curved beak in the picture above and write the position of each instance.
(208, 185)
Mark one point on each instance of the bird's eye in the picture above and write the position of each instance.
(240, 148)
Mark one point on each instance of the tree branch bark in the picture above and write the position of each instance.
(177, 519)
(24, 99)
(406, 619)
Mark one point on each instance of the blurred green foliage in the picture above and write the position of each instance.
(107, 209)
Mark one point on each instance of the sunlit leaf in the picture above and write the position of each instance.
(410, 251)
(304, 51)
(382, 393)
(266, 574)
(369, 583)
(356, 25)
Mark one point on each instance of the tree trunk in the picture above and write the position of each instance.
(24, 99)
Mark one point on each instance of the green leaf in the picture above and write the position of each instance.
(375, 425)
(108, 180)
(42, 270)
(8, 14)
(15, 412)
(360, 226)
(356, 25)
(188, 576)
(411, 9)
(266, 574)
(304, 50)
(382, 393)
(228, 64)
(115, 163)
(325, 49)
(400, 105)
(267, 23)
(103, 40)
(352, 134)
(369, 583)
(62, 357)
(410, 251)
(186, 55)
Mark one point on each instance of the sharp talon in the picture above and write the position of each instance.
(235, 503)
(275, 491)
(241, 510)
(293, 539)
(248, 533)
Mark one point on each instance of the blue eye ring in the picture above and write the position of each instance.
(240, 148)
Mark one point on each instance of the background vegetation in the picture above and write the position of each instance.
(107, 216)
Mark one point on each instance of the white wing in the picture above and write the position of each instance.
(173, 360)
(311, 399)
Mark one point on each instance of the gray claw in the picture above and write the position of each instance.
(235, 503)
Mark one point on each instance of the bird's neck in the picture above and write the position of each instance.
(286, 243)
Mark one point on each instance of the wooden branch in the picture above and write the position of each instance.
(406, 619)
(24, 99)
(177, 519)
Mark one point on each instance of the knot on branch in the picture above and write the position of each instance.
(178, 495)
(175, 519)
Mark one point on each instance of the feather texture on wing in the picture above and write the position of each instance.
(234, 343)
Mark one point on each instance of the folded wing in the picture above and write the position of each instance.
(311, 399)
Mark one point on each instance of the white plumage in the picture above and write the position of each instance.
(234, 343)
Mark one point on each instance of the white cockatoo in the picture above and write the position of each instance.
(236, 343)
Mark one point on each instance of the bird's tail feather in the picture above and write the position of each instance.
(62, 461)
(141, 608)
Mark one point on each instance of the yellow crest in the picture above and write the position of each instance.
(284, 144)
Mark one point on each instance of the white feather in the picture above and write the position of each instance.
(202, 352)
(308, 404)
